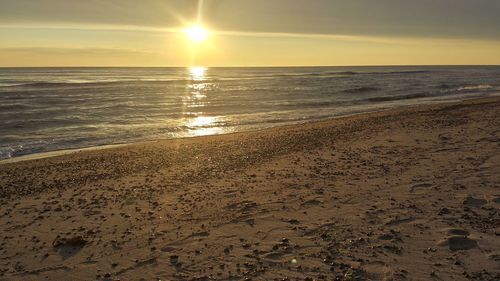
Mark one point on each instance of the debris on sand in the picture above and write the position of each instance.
(76, 242)
(458, 239)
(475, 202)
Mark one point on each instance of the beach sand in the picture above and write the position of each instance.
(407, 194)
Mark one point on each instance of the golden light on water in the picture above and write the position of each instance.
(196, 99)
(204, 126)
(197, 89)
(197, 73)
(203, 121)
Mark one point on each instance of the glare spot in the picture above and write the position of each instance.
(197, 73)
(196, 33)
(203, 121)
(204, 125)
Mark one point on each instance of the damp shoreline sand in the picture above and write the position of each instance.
(406, 193)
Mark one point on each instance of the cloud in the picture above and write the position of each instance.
(62, 56)
(75, 51)
(387, 39)
(423, 18)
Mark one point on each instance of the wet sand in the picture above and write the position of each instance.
(408, 194)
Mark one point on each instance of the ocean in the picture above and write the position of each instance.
(49, 109)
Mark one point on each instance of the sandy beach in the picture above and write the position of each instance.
(407, 194)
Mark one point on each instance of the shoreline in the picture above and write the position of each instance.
(404, 194)
(62, 152)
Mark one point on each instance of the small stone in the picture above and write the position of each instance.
(174, 259)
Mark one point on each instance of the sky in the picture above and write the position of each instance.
(249, 33)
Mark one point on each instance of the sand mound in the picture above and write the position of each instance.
(457, 243)
(457, 232)
(475, 202)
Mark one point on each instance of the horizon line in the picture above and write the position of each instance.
(253, 66)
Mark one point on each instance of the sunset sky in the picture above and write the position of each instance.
(249, 33)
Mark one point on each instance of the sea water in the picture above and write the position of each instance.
(48, 109)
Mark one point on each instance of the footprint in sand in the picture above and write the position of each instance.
(458, 239)
(68, 247)
(456, 243)
(457, 232)
(312, 202)
(421, 187)
(494, 256)
(378, 270)
(474, 202)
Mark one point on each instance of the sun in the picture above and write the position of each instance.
(197, 33)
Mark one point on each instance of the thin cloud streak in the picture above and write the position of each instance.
(74, 50)
(231, 33)
(96, 27)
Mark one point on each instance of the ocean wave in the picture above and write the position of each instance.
(402, 97)
(45, 84)
(53, 84)
(475, 87)
(347, 73)
(361, 90)
(15, 106)
(329, 73)
(138, 81)
(447, 88)
(408, 72)
(355, 73)
(423, 95)
(335, 74)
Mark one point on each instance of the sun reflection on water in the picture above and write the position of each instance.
(205, 125)
(197, 73)
(197, 91)
(202, 121)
